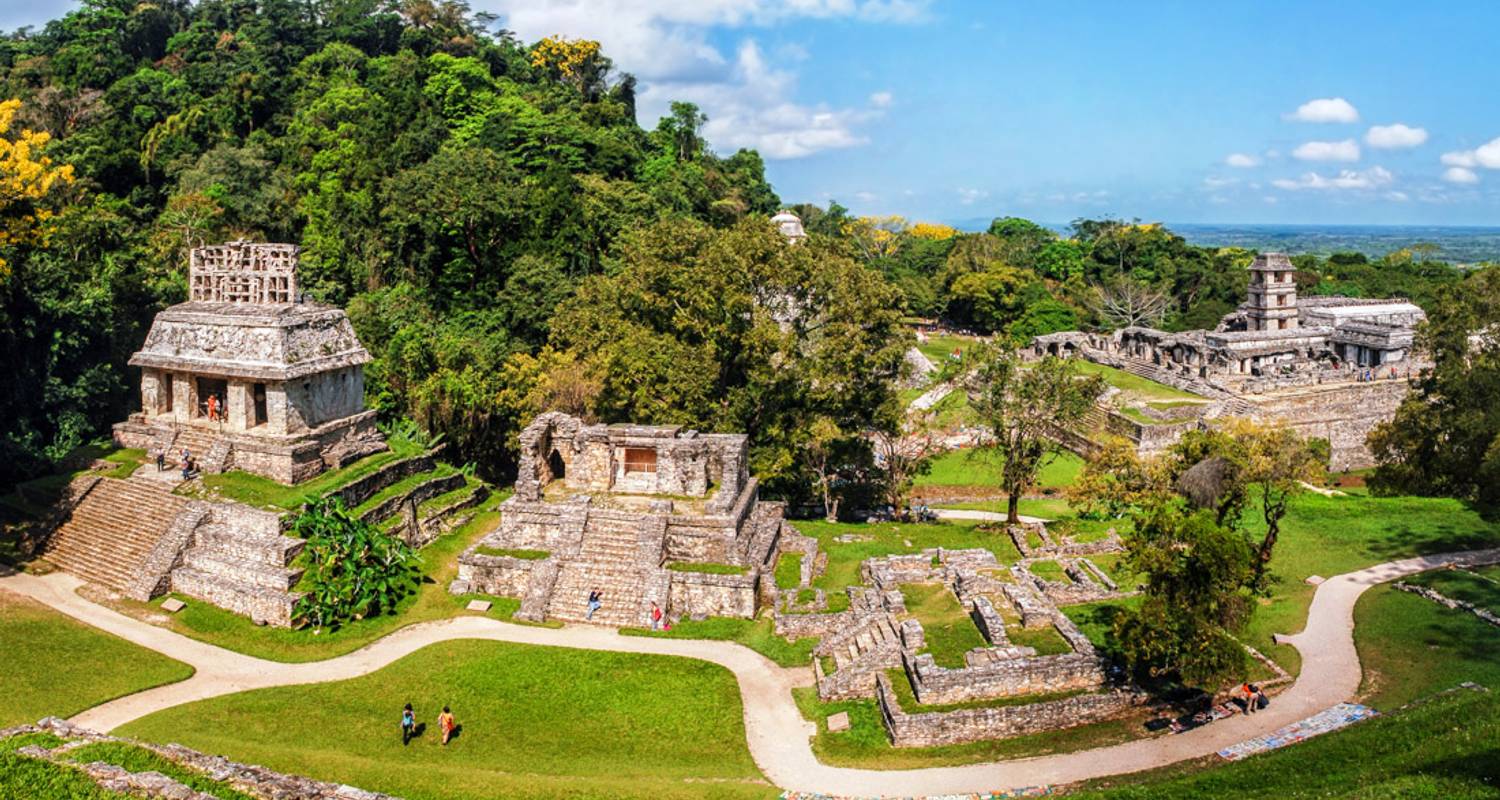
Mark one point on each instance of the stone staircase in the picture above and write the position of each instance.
(609, 559)
(240, 561)
(859, 654)
(210, 450)
(112, 530)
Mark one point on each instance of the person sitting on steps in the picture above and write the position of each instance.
(596, 599)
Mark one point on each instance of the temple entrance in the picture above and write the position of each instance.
(211, 395)
(640, 460)
(164, 397)
(258, 407)
(556, 466)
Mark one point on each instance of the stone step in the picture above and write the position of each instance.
(256, 602)
(241, 570)
(277, 552)
(112, 530)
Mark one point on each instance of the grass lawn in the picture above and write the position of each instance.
(707, 568)
(56, 666)
(1411, 647)
(536, 722)
(1441, 749)
(982, 471)
(756, 634)
(214, 625)
(34, 779)
(1047, 641)
(940, 348)
(1050, 571)
(1134, 385)
(948, 630)
(865, 744)
(1480, 586)
(789, 571)
(263, 492)
(886, 538)
(139, 759)
(508, 552)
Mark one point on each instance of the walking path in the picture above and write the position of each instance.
(777, 734)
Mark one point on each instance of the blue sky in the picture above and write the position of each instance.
(1182, 111)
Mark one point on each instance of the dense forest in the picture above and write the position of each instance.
(504, 234)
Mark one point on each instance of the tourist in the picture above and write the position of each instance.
(187, 465)
(213, 408)
(596, 599)
(1249, 692)
(408, 725)
(1261, 701)
(161, 460)
(446, 724)
(655, 617)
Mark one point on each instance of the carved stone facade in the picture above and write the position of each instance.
(611, 506)
(245, 377)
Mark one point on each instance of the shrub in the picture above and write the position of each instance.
(354, 571)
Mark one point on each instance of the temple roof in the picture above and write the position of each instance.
(258, 341)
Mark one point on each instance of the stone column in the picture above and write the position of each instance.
(239, 402)
(182, 397)
(151, 399)
(276, 407)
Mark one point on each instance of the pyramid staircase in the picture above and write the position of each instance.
(242, 564)
(112, 529)
(609, 560)
(210, 450)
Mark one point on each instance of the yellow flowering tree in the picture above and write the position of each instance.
(26, 179)
(574, 61)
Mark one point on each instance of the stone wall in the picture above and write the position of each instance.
(1068, 672)
(356, 492)
(698, 594)
(1342, 413)
(934, 729)
(502, 576)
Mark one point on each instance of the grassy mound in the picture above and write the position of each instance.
(59, 667)
(536, 722)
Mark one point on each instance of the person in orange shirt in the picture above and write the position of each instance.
(446, 724)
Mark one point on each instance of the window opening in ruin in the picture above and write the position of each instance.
(259, 409)
(165, 400)
(218, 389)
(640, 459)
(556, 466)
(1280, 299)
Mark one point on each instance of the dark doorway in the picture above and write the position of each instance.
(259, 405)
(556, 466)
(215, 388)
(165, 401)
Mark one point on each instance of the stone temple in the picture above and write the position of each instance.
(1331, 367)
(642, 513)
(247, 376)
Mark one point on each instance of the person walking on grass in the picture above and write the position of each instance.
(596, 599)
(408, 725)
(446, 724)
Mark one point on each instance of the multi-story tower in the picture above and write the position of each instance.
(1272, 305)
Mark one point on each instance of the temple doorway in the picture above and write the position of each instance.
(556, 466)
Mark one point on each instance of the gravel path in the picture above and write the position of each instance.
(777, 734)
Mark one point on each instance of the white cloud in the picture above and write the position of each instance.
(666, 44)
(1460, 175)
(881, 99)
(1343, 150)
(866, 197)
(969, 197)
(1216, 181)
(1327, 109)
(1241, 160)
(1399, 197)
(1486, 155)
(1346, 179)
(1460, 158)
(1395, 137)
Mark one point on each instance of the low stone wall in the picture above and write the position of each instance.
(933, 729)
(936, 685)
(422, 491)
(701, 539)
(800, 626)
(1448, 602)
(357, 492)
(697, 595)
(502, 576)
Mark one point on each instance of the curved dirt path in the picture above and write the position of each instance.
(776, 732)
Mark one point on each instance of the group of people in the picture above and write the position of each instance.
(185, 463)
(446, 725)
(1369, 375)
(596, 601)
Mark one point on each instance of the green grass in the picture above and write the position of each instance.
(536, 722)
(263, 492)
(865, 744)
(1411, 647)
(948, 630)
(139, 759)
(402, 487)
(756, 634)
(1479, 586)
(506, 552)
(1115, 566)
(887, 538)
(206, 622)
(1441, 749)
(1047, 641)
(58, 667)
(1134, 385)
(1050, 571)
(24, 778)
(34, 498)
(939, 348)
(707, 568)
(979, 469)
(789, 571)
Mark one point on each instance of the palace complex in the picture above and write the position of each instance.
(1331, 367)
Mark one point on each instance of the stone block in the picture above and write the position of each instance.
(172, 605)
(838, 722)
(478, 605)
(1314, 580)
